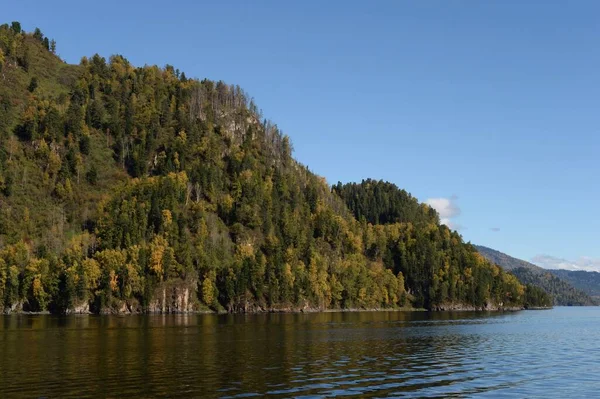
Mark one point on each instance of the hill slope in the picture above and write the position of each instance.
(562, 290)
(439, 267)
(127, 189)
(588, 282)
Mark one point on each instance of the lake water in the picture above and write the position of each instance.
(549, 353)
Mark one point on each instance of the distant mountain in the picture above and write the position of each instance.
(588, 282)
(555, 282)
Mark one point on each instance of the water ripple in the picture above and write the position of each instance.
(381, 354)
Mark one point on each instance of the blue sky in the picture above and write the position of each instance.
(489, 110)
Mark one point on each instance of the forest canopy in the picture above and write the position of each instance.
(129, 189)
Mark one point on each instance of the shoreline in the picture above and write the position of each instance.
(439, 309)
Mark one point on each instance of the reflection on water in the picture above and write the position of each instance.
(378, 354)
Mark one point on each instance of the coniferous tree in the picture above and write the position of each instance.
(33, 84)
(187, 188)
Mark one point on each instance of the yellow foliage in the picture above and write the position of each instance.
(37, 288)
(495, 270)
(110, 259)
(289, 255)
(54, 163)
(113, 281)
(468, 273)
(245, 250)
(73, 274)
(182, 137)
(208, 288)
(176, 160)
(68, 187)
(238, 154)
(180, 178)
(246, 175)
(91, 272)
(268, 186)
(167, 218)
(227, 202)
(354, 241)
(362, 294)
(288, 275)
(158, 247)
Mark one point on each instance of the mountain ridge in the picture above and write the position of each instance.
(563, 292)
(586, 281)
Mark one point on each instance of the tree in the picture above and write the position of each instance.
(209, 289)
(8, 185)
(197, 192)
(84, 144)
(91, 272)
(92, 175)
(53, 46)
(33, 84)
(16, 27)
(37, 34)
(33, 278)
(24, 60)
(158, 249)
(1, 61)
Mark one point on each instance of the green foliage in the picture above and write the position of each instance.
(536, 297)
(24, 60)
(380, 202)
(438, 267)
(135, 181)
(16, 27)
(38, 35)
(92, 175)
(586, 281)
(556, 285)
(33, 84)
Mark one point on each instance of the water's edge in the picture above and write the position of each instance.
(445, 308)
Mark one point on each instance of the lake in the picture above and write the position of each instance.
(549, 353)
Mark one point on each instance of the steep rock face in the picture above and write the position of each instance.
(173, 299)
(168, 297)
(81, 308)
(16, 307)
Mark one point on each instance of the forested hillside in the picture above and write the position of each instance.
(588, 282)
(438, 266)
(127, 189)
(564, 292)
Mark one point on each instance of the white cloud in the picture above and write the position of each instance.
(582, 263)
(447, 209)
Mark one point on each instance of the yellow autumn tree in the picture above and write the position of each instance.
(158, 246)
(209, 288)
(91, 273)
(110, 261)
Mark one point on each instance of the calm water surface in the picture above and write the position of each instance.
(551, 353)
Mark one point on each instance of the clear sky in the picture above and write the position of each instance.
(488, 109)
